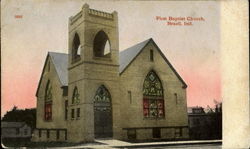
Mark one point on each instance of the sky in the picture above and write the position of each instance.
(29, 29)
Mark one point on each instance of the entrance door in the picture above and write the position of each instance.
(102, 113)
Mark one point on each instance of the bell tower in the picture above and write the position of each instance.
(93, 37)
(93, 62)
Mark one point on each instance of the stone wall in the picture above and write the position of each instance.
(90, 72)
(57, 99)
(132, 79)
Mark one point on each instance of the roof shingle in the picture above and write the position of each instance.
(60, 60)
(126, 56)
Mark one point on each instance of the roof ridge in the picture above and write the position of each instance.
(126, 56)
(137, 44)
(51, 52)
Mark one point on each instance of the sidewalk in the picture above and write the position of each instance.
(112, 143)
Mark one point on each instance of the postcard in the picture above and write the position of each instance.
(124, 74)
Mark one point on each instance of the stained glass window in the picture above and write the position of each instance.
(48, 102)
(48, 92)
(75, 98)
(48, 111)
(153, 102)
(102, 99)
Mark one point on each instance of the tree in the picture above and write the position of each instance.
(21, 115)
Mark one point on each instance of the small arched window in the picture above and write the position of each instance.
(48, 102)
(153, 101)
(75, 97)
(101, 45)
(76, 48)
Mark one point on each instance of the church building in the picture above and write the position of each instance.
(97, 91)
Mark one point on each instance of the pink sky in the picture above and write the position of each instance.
(193, 50)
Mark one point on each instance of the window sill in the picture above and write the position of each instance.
(49, 101)
(75, 62)
(75, 104)
(154, 118)
(76, 59)
(102, 58)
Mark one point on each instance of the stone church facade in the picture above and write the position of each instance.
(96, 91)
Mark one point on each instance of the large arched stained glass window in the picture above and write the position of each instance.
(75, 97)
(153, 101)
(48, 102)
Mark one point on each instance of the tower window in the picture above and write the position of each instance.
(101, 45)
(76, 48)
(151, 55)
(78, 113)
(72, 113)
(75, 97)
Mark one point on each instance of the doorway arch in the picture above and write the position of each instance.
(103, 125)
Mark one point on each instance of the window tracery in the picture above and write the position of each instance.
(76, 96)
(153, 101)
(102, 99)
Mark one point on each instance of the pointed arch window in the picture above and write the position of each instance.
(48, 102)
(102, 99)
(75, 97)
(153, 100)
(101, 45)
(76, 48)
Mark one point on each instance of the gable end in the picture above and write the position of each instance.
(164, 57)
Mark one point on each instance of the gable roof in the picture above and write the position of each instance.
(126, 57)
(60, 60)
(12, 124)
